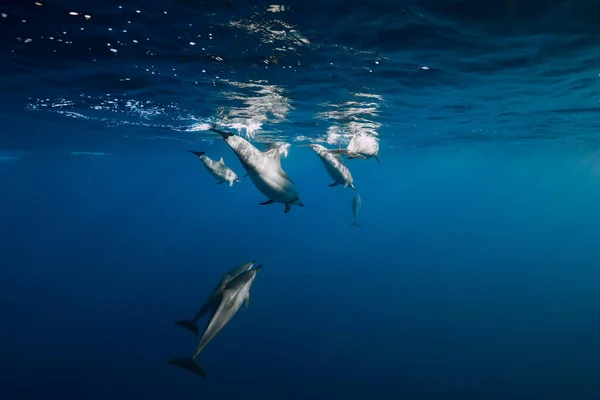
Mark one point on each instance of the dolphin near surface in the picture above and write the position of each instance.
(361, 146)
(233, 295)
(213, 300)
(337, 170)
(217, 169)
(265, 172)
(356, 205)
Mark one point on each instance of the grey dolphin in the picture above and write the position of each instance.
(335, 166)
(356, 205)
(361, 146)
(217, 169)
(213, 300)
(233, 295)
(265, 172)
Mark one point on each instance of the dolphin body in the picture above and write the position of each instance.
(362, 147)
(217, 169)
(265, 172)
(213, 300)
(233, 295)
(275, 148)
(335, 166)
(356, 205)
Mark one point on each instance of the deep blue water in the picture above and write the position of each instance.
(474, 274)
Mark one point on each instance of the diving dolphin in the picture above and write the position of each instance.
(361, 146)
(335, 166)
(233, 295)
(356, 205)
(265, 172)
(212, 303)
(217, 169)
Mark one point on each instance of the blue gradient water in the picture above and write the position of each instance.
(474, 274)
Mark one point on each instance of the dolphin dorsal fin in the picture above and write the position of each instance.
(221, 161)
(277, 157)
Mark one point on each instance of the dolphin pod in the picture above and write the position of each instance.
(223, 303)
(265, 171)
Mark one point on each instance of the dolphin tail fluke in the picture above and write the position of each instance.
(223, 134)
(191, 325)
(355, 224)
(189, 364)
(198, 153)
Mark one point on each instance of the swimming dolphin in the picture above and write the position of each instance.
(361, 146)
(217, 169)
(212, 303)
(265, 172)
(335, 166)
(233, 295)
(356, 205)
(274, 148)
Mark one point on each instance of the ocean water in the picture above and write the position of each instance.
(474, 273)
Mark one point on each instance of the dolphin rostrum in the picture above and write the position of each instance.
(356, 205)
(265, 172)
(233, 295)
(212, 303)
(335, 166)
(217, 169)
(361, 146)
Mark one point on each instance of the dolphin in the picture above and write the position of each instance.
(265, 172)
(233, 295)
(356, 205)
(217, 169)
(361, 146)
(214, 298)
(335, 167)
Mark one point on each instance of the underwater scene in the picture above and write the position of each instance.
(337, 199)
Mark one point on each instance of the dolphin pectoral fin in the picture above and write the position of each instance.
(333, 184)
(352, 186)
(230, 183)
(198, 153)
(220, 182)
(247, 300)
(191, 325)
(377, 158)
(288, 207)
(189, 364)
(264, 203)
(245, 175)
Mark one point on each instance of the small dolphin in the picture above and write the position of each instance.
(265, 172)
(212, 303)
(356, 205)
(217, 169)
(233, 295)
(361, 146)
(274, 148)
(335, 166)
